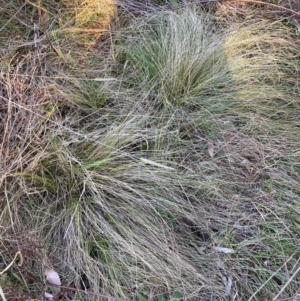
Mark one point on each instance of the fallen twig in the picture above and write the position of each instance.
(12, 262)
(269, 4)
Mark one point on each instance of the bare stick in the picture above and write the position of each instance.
(270, 4)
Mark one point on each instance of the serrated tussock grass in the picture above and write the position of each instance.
(185, 57)
(92, 198)
(134, 182)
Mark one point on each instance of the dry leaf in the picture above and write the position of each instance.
(104, 79)
(144, 160)
(43, 14)
(53, 278)
(228, 285)
(224, 250)
(210, 148)
(49, 296)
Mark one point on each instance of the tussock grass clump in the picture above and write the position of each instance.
(108, 212)
(87, 94)
(184, 57)
(178, 55)
(104, 202)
